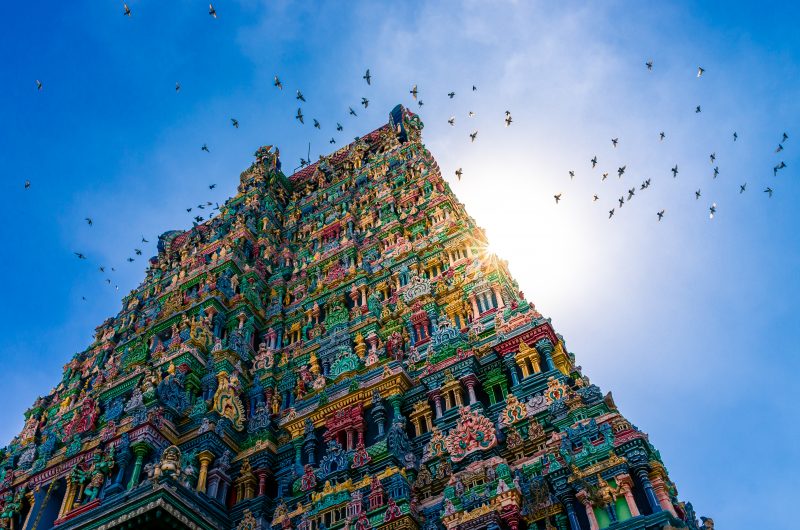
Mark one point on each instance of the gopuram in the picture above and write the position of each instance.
(335, 350)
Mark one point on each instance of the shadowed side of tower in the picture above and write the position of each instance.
(336, 349)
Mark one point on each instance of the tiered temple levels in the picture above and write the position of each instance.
(335, 350)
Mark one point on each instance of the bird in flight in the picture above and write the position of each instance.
(571, 174)
(470, 114)
(459, 172)
(735, 136)
(473, 135)
(235, 123)
(594, 161)
(102, 269)
(716, 171)
(339, 126)
(700, 71)
(474, 88)
(675, 171)
(316, 124)
(451, 95)
(742, 187)
(631, 192)
(177, 87)
(452, 120)
(660, 214)
(38, 85)
(188, 209)
(420, 103)
(303, 162)
(352, 111)
(205, 148)
(277, 83)
(712, 210)
(661, 136)
(776, 168)
(508, 118)
(299, 115)
(614, 141)
(89, 221)
(300, 96)
(137, 251)
(212, 186)
(712, 157)
(365, 102)
(331, 141)
(413, 91)
(621, 171)
(80, 255)
(785, 137)
(595, 198)
(697, 194)
(621, 201)
(605, 176)
(557, 197)
(611, 213)
(27, 184)
(697, 109)
(212, 11)
(127, 9)
(131, 260)
(144, 240)
(779, 148)
(367, 77)
(769, 191)
(649, 64)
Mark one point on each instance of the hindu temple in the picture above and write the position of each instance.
(335, 350)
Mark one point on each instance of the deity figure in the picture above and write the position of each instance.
(393, 511)
(226, 399)
(100, 468)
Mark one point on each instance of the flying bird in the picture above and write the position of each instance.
(339, 126)
(614, 141)
(508, 120)
(27, 184)
(188, 209)
(144, 240)
(352, 111)
(300, 96)
(785, 137)
(621, 201)
(700, 71)
(571, 174)
(420, 103)
(277, 83)
(595, 198)
(470, 114)
(235, 123)
(137, 251)
(631, 192)
(697, 194)
(649, 64)
(89, 221)
(697, 109)
(38, 85)
(675, 171)
(779, 149)
(102, 269)
(177, 87)
(593, 161)
(712, 210)
(365, 102)
(716, 171)
(611, 213)
(316, 124)
(212, 186)
(473, 135)
(127, 9)
(452, 120)
(557, 197)
(131, 260)
(331, 141)
(413, 91)
(459, 172)
(451, 95)
(367, 77)
(742, 187)
(712, 157)
(205, 148)
(661, 136)
(605, 176)
(776, 168)
(212, 11)
(80, 255)
(621, 171)
(660, 214)
(735, 136)
(769, 191)
(474, 88)
(299, 115)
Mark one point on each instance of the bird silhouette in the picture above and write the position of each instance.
(212, 186)
(778, 167)
(557, 197)
(413, 91)
(508, 120)
(768, 191)
(614, 141)
(277, 83)
(661, 136)
(451, 95)
(675, 171)
(188, 209)
(593, 161)
(38, 85)
(611, 213)
(452, 120)
(352, 111)
(470, 114)
(131, 260)
(235, 123)
(785, 137)
(649, 64)
(339, 126)
(712, 157)
(474, 88)
(631, 193)
(144, 240)
(716, 171)
(316, 124)
(365, 102)
(367, 77)
(80, 255)
(712, 210)
(621, 171)
(89, 221)
(660, 214)
(700, 71)
(605, 176)
(102, 269)
(300, 96)
(27, 184)
(571, 174)
(177, 87)
(331, 141)
(127, 9)
(697, 109)
(735, 136)
(742, 187)
(779, 148)
(212, 11)
(697, 194)
(420, 103)
(299, 115)
(473, 135)
(205, 148)
(137, 251)
(459, 172)
(595, 198)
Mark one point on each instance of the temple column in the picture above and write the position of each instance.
(661, 494)
(69, 497)
(123, 459)
(641, 474)
(469, 382)
(545, 348)
(437, 402)
(475, 311)
(498, 294)
(583, 498)
(140, 450)
(626, 484)
(205, 458)
(262, 482)
(566, 500)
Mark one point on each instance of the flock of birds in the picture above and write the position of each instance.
(208, 208)
(712, 209)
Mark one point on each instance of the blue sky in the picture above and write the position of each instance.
(689, 321)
